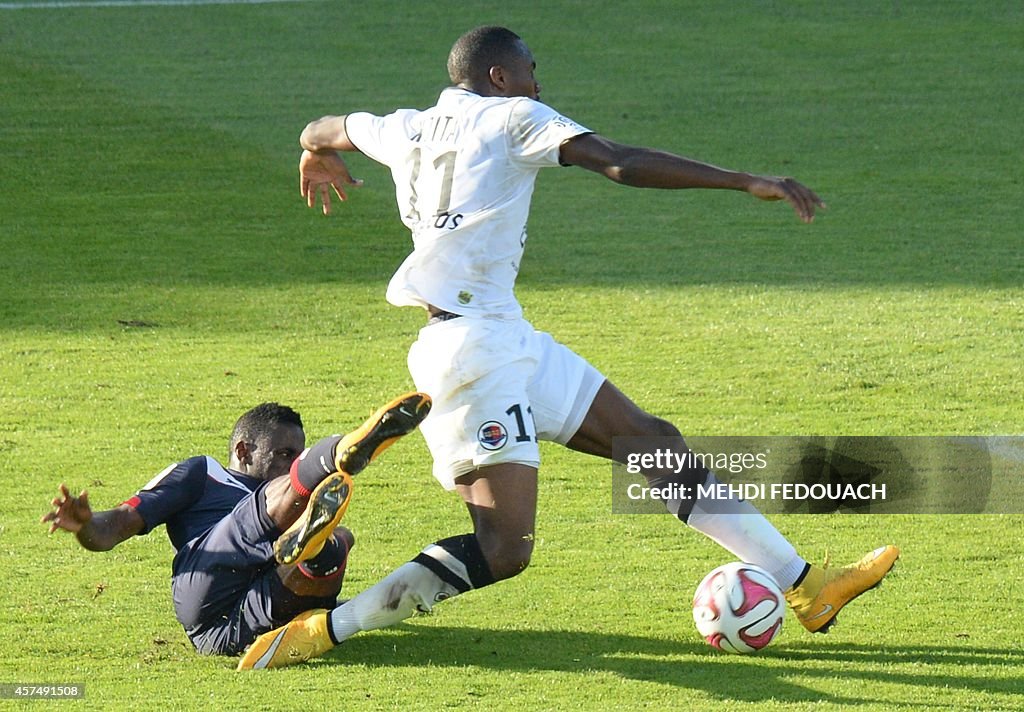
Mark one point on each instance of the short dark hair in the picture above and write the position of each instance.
(478, 50)
(261, 420)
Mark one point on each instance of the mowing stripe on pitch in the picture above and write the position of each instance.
(133, 3)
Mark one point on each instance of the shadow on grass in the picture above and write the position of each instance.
(769, 675)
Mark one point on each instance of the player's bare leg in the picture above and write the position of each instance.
(502, 501)
(815, 593)
(284, 503)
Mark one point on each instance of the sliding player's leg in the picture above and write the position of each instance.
(502, 502)
(312, 501)
(219, 599)
(227, 588)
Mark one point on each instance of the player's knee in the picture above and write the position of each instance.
(510, 558)
(633, 421)
(666, 429)
(646, 424)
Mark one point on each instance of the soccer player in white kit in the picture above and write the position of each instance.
(464, 173)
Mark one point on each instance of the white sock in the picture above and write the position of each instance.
(738, 526)
(408, 589)
(444, 569)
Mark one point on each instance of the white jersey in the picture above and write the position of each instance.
(464, 172)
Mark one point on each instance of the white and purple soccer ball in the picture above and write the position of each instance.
(739, 608)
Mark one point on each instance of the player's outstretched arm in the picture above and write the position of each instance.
(100, 531)
(321, 169)
(648, 168)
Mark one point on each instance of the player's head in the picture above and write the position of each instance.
(493, 61)
(266, 440)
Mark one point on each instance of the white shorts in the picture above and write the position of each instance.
(498, 387)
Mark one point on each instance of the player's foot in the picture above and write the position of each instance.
(306, 537)
(395, 419)
(302, 638)
(824, 591)
(329, 500)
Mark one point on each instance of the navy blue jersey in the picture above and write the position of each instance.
(190, 497)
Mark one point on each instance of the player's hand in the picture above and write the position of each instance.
(319, 173)
(69, 513)
(803, 199)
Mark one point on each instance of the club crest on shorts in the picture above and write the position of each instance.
(492, 435)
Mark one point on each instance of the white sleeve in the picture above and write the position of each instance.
(536, 133)
(381, 138)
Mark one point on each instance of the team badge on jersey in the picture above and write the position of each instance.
(492, 435)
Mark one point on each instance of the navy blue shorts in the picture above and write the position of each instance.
(225, 584)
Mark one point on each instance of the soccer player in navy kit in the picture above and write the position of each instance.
(464, 172)
(233, 528)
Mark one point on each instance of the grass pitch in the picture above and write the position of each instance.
(159, 275)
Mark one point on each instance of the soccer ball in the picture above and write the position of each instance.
(739, 608)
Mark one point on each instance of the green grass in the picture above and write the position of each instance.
(159, 275)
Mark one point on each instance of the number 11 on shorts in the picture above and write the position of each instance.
(523, 436)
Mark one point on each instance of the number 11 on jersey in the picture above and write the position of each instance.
(443, 168)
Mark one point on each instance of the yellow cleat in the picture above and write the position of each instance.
(329, 500)
(302, 638)
(824, 591)
(397, 418)
(327, 504)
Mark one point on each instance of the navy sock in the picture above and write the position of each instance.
(329, 561)
(458, 561)
(312, 466)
